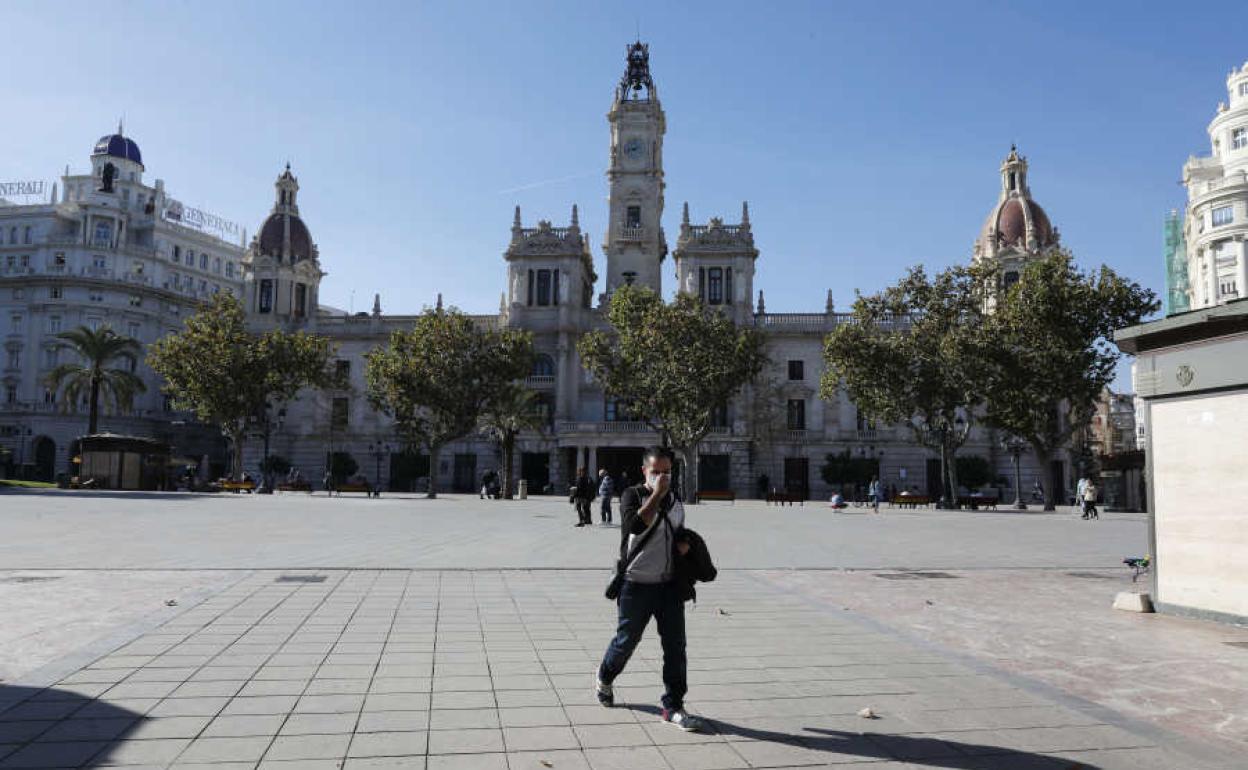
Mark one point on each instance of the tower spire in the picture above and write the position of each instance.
(576, 222)
(745, 213)
(684, 215)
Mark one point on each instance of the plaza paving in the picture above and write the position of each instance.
(1004, 662)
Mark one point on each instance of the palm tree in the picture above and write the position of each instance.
(92, 377)
(514, 411)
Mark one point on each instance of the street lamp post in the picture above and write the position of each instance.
(1015, 446)
(377, 449)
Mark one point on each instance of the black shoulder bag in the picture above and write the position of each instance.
(617, 582)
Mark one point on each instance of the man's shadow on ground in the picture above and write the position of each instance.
(915, 750)
(47, 727)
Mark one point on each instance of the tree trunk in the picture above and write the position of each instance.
(944, 475)
(509, 447)
(93, 413)
(236, 448)
(951, 474)
(689, 479)
(433, 471)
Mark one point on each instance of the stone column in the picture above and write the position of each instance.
(1213, 276)
(591, 464)
(1241, 268)
(563, 362)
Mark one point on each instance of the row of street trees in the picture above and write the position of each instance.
(940, 353)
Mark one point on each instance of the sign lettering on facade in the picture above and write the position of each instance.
(200, 220)
(29, 187)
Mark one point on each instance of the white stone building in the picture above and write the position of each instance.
(780, 429)
(1216, 222)
(107, 249)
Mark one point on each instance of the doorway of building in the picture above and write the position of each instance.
(464, 476)
(714, 473)
(621, 462)
(535, 469)
(1057, 477)
(408, 471)
(797, 476)
(45, 459)
(935, 479)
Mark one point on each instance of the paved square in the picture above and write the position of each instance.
(298, 666)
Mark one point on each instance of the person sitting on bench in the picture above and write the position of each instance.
(837, 502)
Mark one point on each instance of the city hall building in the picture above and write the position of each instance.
(120, 257)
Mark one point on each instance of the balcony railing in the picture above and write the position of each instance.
(540, 381)
(604, 427)
(632, 233)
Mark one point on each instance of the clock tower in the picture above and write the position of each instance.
(634, 244)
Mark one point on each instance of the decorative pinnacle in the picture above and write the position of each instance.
(762, 308)
(576, 221)
(830, 306)
(439, 300)
(516, 222)
(377, 304)
(745, 213)
(684, 215)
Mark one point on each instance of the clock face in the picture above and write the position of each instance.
(633, 148)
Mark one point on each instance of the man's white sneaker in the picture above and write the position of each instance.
(606, 695)
(683, 720)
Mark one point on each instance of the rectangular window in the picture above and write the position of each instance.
(203, 261)
(203, 286)
(715, 286)
(727, 285)
(338, 413)
(26, 236)
(15, 323)
(531, 289)
(1243, 89)
(177, 253)
(342, 368)
(95, 296)
(1239, 140)
(24, 260)
(266, 295)
(543, 287)
(15, 358)
(56, 292)
(301, 299)
(132, 330)
(616, 410)
(99, 262)
(175, 280)
(229, 269)
(50, 356)
(633, 217)
(136, 300)
(797, 370)
(58, 259)
(719, 416)
(10, 394)
(54, 324)
(103, 233)
(796, 414)
(1223, 215)
(216, 265)
(702, 283)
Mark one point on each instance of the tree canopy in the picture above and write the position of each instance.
(675, 365)
(228, 375)
(437, 378)
(911, 356)
(1048, 353)
(92, 376)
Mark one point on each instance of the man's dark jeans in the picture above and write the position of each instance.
(639, 602)
(605, 513)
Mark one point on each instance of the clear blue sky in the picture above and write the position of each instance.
(866, 137)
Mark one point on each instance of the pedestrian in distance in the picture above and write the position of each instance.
(873, 492)
(1079, 487)
(606, 488)
(328, 482)
(648, 585)
(581, 495)
(1089, 501)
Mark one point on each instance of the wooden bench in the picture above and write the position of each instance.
(301, 486)
(238, 486)
(974, 502)
(717, 494)
(911, 501)
(785, 498)
(365, 488)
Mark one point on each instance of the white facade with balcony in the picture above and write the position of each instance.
(1216, 222)
(104, 248)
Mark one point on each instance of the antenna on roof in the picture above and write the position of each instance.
(120, 125)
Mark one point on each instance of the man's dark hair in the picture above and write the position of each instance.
(655, 452)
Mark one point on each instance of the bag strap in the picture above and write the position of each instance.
(641, 543)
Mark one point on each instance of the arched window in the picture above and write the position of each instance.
(543, 366)
(1009, 280)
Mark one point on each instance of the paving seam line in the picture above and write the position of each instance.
(56, 670)
(1216, 756)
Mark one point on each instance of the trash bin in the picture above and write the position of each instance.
(524, 489)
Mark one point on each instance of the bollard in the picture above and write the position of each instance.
(524, 489)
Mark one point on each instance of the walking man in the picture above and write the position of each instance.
(651, 515)
(582, 494)
(873, 492)
(1089, 500)
(606, 488)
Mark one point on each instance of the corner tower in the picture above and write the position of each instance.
(634, 244)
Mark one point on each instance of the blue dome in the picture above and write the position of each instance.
(118, 146)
